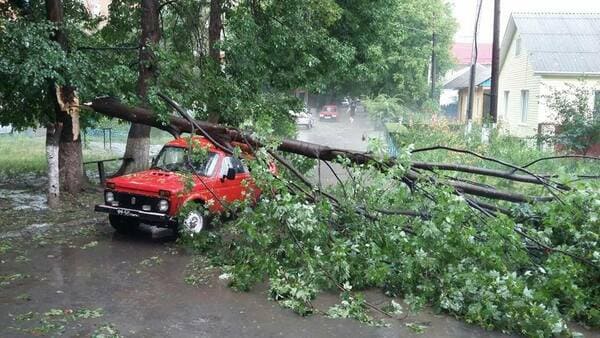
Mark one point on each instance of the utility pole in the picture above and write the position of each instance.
(495, 64)
(433, 66)
(473, 70)
(471, 92)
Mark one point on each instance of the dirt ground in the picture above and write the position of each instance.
(67, 273)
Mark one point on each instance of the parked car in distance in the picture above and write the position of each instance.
(157, 195)
(328, 112)
(345, 102)
(303, 118)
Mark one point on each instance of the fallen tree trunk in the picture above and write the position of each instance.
(225, 135)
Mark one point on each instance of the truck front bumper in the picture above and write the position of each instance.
(142, 216)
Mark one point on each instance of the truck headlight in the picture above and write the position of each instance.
(109, 196)
(163, 205)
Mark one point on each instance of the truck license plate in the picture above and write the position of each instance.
(125, 212)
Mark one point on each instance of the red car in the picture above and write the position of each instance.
(328, 112)
(156, 196)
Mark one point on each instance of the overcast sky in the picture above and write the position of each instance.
(465, 10)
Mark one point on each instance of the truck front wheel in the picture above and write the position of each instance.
(194, 221)
(123, 225)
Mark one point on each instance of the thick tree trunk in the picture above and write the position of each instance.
(53, 131)
(138, 139)
(215, 26)
(137, 149)
(70, 156)
(70, 160)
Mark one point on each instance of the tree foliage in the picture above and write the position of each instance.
(31, 61)
(578, 125)
(457, 260)
(392, 43)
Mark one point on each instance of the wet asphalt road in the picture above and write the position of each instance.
(344, 134)
(152, 300)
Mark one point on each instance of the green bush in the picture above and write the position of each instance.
(578, 122)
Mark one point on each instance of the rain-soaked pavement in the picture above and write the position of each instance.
(53, 281)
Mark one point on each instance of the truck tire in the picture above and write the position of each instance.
(194, 221)
(123, 225)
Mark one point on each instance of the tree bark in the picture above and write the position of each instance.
(138, 138)
(53, 131)
(215, 26)
(70, 155)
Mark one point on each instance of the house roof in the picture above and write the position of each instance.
(462, 53)
(482, 74)
(557, 43)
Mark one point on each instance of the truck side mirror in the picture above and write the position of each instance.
(231, 173)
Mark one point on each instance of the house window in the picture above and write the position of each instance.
(524, 105)
(518, 46)
(506, 95)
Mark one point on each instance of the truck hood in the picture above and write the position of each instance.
(150, 181)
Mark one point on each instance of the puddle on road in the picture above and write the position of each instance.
(22, 200)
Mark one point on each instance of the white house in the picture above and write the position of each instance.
(541, 51)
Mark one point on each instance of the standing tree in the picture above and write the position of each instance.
(66, 107)
(215, 26)
(36, 64)
(138, 139)
(41, 70)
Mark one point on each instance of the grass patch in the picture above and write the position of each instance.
(24, 153)
(21, 153)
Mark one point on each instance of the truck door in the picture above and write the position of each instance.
(232, 188)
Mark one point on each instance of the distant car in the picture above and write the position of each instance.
(345, 102)
(303, 118)
(329, 112)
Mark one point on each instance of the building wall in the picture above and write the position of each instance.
(463, 103)
(550, 83)
(516, 75)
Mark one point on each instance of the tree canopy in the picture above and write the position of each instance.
(270, 48)
(31, 61)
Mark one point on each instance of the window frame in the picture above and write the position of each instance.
(209, 169)
(506, 102)
(524, 105)
(596, 105)
(227, 163)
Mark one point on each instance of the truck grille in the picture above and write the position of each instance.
(132, 201)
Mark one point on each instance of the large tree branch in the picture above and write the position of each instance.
(176, 125)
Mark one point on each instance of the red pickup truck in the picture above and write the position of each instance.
(156, 196)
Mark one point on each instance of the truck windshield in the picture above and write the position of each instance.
(176, 159)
